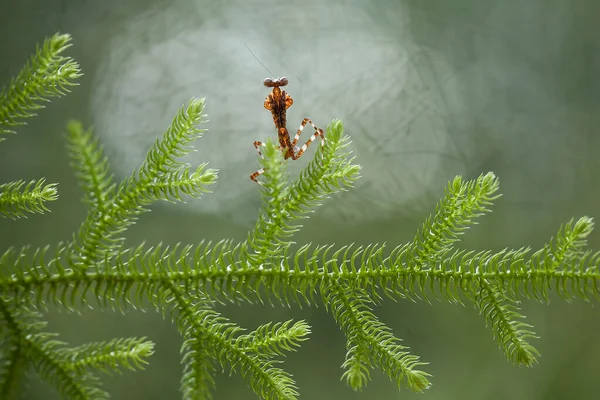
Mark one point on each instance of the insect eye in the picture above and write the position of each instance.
(283, 81)
(269, 82)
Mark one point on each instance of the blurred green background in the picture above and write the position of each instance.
(428, 90)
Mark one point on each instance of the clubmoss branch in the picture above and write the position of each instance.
(162, 177)
(184, 282)
(370, 343)
(19, 198)
(502, 314)
(329, 172)
(47, 74)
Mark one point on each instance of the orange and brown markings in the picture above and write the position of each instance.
(278, 101)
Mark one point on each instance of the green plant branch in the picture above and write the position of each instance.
(47, 74)
(503, 316)
(198, 378)
(12, 366)
(91, 168)
(18, 198)
(47, 355)
(184, 282)
(370, 342)
(161, 177)
(463, 203)
(219, 334)
(329, 172)
(129, 353)
(272, 340)
(220, 276)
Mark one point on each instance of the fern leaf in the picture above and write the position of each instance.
(183, 282)
(271, 219)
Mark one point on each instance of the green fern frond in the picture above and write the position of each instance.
(511, 332)
(253, 357)
(129, 353)
(330, 171)
(412, 264)
(221, 270)
(47, 74)
(19, 198)
(267, 381)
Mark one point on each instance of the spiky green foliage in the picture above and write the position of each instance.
(184, 282)
(47, 74)
(284, 203)
(503, 315)
(109, 356)
(50, 359)
(113, 208)
(370, 343)
(19, 198)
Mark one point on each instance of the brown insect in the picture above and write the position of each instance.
(278, 101)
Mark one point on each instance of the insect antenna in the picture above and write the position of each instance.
(256, 58)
